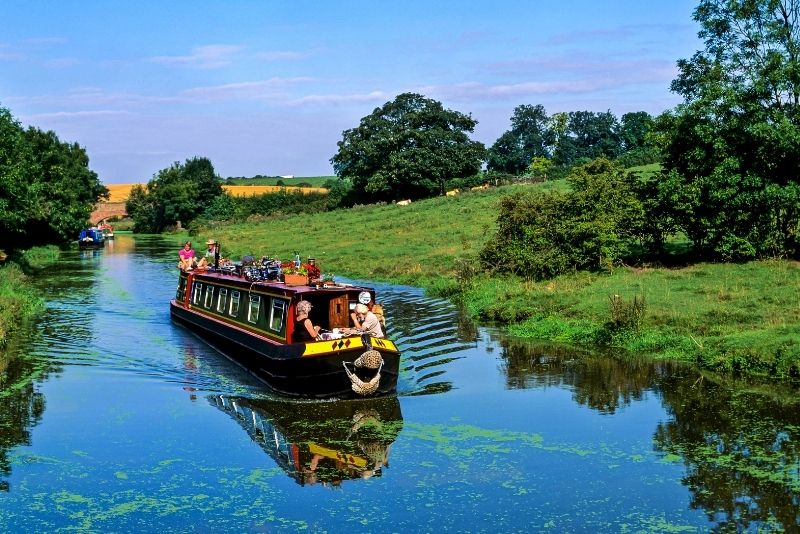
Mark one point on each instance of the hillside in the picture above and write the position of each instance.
(730, 317)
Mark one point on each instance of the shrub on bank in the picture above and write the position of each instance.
(19, 302)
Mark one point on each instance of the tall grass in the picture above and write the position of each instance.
(723, 316)
(19, 302)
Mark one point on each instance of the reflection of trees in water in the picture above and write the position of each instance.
(740, 446)
(741, 450)
(22, 408)
(599, 381)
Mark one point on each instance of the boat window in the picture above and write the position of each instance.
(234, 310)
(198, 290)
(180, 293)
(209, 296)
(222, 299)
(277, 315)
(255, 306)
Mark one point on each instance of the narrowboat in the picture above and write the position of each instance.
(251, 320)
(320, 442)
(91, 237)
(108, 230)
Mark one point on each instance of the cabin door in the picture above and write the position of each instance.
(338, 313)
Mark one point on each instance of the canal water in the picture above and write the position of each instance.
(114, 419)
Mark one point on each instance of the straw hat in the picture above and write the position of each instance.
(361, 308)
(211, 242)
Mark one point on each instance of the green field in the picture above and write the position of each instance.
(314, 181)
(723, 316)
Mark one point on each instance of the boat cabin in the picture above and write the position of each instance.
(269, 308)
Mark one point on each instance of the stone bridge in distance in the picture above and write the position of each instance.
(104, 210)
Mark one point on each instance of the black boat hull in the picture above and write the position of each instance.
(290, 369)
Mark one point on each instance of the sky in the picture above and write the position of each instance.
(268, 87)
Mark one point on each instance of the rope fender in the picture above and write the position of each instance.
(370, 359)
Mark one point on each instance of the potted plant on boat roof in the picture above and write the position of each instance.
(293, 275)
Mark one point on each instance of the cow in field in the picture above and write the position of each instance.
(403, 202)
(452, 193)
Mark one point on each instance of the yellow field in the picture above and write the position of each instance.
(120, 192)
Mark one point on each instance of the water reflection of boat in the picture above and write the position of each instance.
(320, 442)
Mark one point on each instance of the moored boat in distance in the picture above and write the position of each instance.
(108, 230)
(91, 237)
(251, 320)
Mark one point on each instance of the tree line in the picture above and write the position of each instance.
(47, 190)
(730, 185)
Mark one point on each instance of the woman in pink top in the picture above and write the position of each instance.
(186, 255)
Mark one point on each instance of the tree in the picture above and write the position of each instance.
(66, 189)
(589, 135)
(530, 137)
(539, 167)
(732, 146)
(543, 234)
(47, 190)
(408, 148)
(179, 193)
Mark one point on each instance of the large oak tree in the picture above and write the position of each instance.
(408, 148)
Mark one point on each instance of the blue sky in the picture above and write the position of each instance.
(268, 87)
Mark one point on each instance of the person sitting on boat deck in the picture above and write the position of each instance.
(186, 257)
(208, 259)
(370, 324)
(304, 329)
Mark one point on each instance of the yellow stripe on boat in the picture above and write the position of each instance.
(350, 459)
(317, 348)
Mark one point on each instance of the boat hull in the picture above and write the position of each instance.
(307, 370)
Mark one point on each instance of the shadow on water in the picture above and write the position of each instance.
(320, 442)
(738, 440)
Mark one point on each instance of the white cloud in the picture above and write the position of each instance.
(62, 63)
(89, 114)
(342, 99)
(202, 57)
(259, 90)
(45, 41)
(282, 55)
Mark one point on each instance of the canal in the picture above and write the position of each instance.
(115, 419)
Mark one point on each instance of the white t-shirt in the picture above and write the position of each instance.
(372, 325)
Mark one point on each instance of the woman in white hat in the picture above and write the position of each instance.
(370, 324)
(208, 259)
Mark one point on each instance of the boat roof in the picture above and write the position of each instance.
(223, 276)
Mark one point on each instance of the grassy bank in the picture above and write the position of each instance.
(722, 316)
(19, 301)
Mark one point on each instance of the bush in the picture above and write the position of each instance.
(541, 235)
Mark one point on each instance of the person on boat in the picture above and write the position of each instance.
(186, 257)
(208, 258)
(370, 324)
(304, 329)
